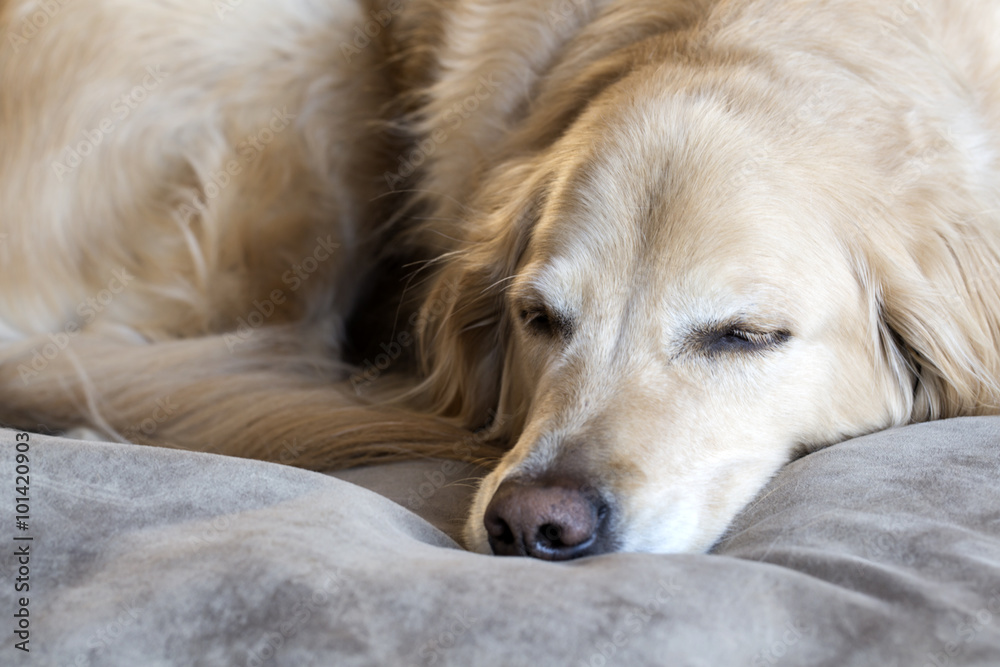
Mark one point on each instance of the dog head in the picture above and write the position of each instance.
(680, 293)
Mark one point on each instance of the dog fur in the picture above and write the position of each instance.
(660, 246)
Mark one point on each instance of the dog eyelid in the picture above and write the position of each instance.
(540, 320)
(739, 337)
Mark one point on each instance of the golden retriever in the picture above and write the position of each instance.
(653, 250)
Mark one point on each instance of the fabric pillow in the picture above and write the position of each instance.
(884, 550)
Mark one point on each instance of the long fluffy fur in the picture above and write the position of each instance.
(925, 238)
(366, 160)
(145, 270)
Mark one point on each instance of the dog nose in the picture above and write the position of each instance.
(552, 521)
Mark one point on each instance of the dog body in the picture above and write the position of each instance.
(671, 244)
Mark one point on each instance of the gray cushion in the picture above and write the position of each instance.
(884, 550)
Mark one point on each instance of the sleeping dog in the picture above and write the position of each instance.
(649, 250)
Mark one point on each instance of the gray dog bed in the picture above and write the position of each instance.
(882, 551)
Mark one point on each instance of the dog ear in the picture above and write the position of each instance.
(937, 304)
(463, 328)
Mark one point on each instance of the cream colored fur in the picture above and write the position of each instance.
(672, 244)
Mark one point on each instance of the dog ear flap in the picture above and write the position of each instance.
(938, 310)
(463, 326)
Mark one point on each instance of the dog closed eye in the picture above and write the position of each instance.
(738, 338)
(539, 320)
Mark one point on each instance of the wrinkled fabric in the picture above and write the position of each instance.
(882, 551)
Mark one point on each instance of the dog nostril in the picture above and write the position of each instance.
(498, 529)
(551, 535)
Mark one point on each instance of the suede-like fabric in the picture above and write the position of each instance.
(881, 551)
